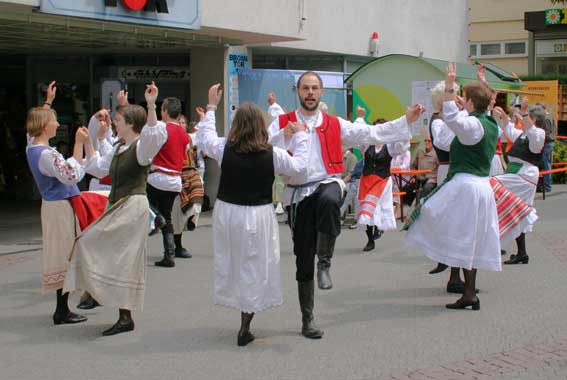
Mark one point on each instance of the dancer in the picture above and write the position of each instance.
(246, 234)
(314, 198)
(109, 258)
(375, 200)
(56, 179)
(458, 224)
(522, 173)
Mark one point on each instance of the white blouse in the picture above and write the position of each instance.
(284, 163)
(53, 164)
(468, 129)
(149, 144)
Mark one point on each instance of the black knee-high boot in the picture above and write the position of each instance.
(522, 256)
(306, 292)
(370, 235)
(325, 249)
(62, 313)
(169, 249)
(124, 323)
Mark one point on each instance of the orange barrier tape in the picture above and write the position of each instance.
(552, 171)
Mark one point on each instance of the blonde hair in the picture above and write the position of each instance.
(37, 119)
(438, 94)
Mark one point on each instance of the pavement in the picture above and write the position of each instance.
(384, 319)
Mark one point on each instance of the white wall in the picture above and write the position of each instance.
(438, 28)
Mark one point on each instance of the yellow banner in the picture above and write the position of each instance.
(546, 92)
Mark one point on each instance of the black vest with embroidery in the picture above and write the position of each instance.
(442, 155)
(377, 162)
(246, 179)
(521, 150)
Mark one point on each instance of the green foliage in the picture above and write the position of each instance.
(562, 78)
(559, 155)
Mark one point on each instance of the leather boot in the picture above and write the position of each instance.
(179, 250)
(169, 251)
(325, 249)
(306, 290)
(370, 235)
(521, 257)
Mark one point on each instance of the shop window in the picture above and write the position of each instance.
(514, 48)
(490, 49)
(472, 50)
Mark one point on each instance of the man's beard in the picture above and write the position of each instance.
(308, 108)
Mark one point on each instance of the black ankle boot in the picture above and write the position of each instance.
(169, 251)
(521, 257)
(179, 250)
(306, 292)
(370, 235)
(124, 324)
(63, 315)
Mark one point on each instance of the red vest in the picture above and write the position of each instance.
(329, 133)
(173, 152)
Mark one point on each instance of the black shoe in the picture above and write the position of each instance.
(377, 234)
(324, 279)
(87, 304)
(439, 268)
(243, 340)
(457, 287)
(68, 319)
(518, 259)
(119, 327)
(166, 262)
(369, 246)
(462, 304)
(183, 253)
(310, 331)
(159, 222)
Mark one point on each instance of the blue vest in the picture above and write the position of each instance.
(51, 188)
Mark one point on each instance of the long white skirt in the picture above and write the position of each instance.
(247, 257)
(59, 226)
(442, 171)
(458, 225)
(496, 167)
(109, 257)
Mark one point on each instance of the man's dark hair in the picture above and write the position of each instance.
(172, 106)
(310, 73)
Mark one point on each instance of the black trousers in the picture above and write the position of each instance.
(162, 202)
(319, 212)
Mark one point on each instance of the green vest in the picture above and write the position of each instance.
(127, 175)
(475, 159)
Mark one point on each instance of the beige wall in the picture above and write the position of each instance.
(497, 31)
(505, 10)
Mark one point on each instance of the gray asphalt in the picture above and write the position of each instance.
(385, 314)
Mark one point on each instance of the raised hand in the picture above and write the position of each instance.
(201, 112)
(292, 128)
(215, 94)
(450, 75)
(82, 135)
(460, 102)
(151, 93)
(122, 97)
(501, 116)
(50, 95)
(413, 112)
(360, 112)
(481, 72)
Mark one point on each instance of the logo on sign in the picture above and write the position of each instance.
(159, 6)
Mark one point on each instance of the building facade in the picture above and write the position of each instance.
(93, 48)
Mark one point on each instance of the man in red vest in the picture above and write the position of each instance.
(164, 180)
(314, 199)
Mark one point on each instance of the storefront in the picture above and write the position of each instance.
(548, 41)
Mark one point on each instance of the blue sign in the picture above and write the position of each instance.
(183, 14)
